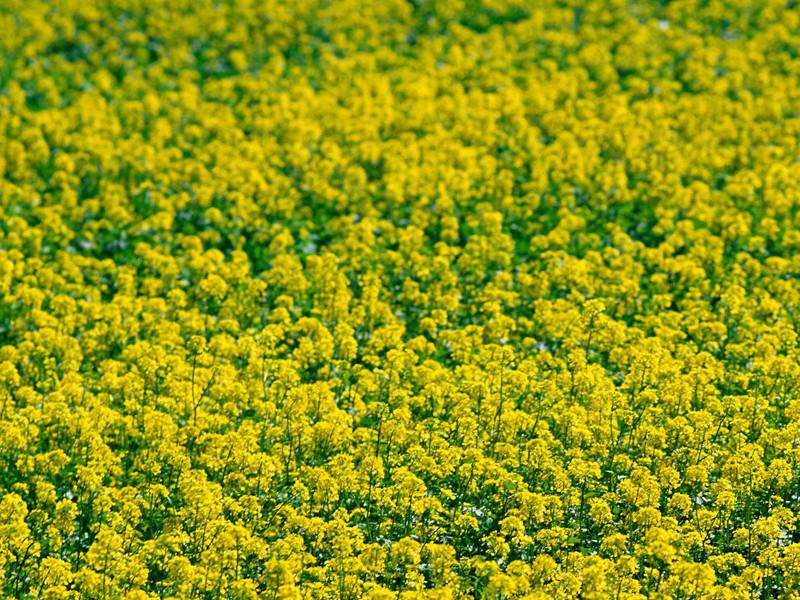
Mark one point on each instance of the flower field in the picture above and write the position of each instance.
(399, 299)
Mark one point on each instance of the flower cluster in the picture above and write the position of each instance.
(334, 299)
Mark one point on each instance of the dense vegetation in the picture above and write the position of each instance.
(399, 299)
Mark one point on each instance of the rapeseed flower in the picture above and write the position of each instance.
(384, 299)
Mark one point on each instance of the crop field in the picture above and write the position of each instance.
(399, 299)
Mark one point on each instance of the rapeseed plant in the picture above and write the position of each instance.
(389, 299)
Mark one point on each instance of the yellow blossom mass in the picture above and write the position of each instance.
(399, 299)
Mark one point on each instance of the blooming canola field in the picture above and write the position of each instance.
(399, 299)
